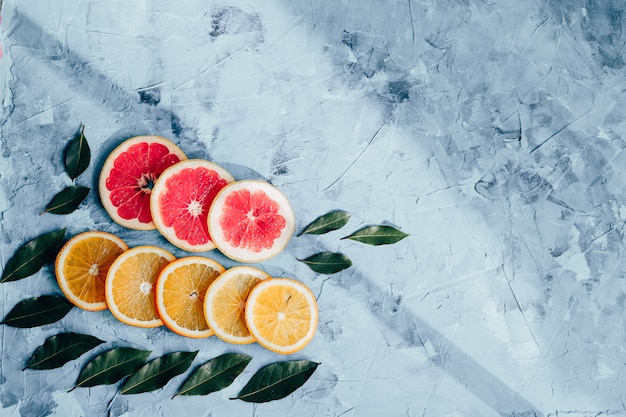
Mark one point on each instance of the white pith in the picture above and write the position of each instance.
(145, 287)
(194, 208)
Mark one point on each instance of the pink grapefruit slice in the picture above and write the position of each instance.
(251, 221)
(128, 176)
(180, 202)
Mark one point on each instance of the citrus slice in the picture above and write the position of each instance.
(251, 221)
(128, 175)
(180, 202)
(82, 264)
(129, 285)
(180, 292)
(225, 301)
(281, 313)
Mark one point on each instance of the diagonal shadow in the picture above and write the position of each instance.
(448, 357)
(82, 78)
(495, 393)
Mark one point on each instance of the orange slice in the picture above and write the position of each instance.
(225, 301)
(281, 313)
(127, 177)
(251, 221)
(82, 264)
(180, 294)
(129, 285)
(180, 202)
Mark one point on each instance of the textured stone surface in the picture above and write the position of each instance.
(490, 131)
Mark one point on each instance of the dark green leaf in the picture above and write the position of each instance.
(67, 200)
(111, 366)
(156, 373)
(37, 311)
(327, 262)
(327, 223)
(377, 235)
(77, 155)
(57, 350)
(277, 380)
(214, 375)
(34, 254)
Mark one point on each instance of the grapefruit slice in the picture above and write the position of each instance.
(180, 202)
(128, 175)
(251, 221)
(281, 313)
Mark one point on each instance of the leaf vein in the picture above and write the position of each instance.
(117, 365)
(150, 377)
(37, 313)
(211, 379)
(267, 387)
(49, 357)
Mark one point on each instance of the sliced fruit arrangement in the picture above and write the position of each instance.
(251, 221)
(130, 282)
(194, 296)
(82, 264)
(147, 182)
(180, 202)
(180, 293)
(225, 301)
(128, 175)
(281, 314)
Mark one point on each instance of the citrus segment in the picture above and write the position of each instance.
(225, 300)
(180, 292)
(128, 175)
(251, 221)
(129, 285)
(180, 202)
(281, 313)
(82, 264)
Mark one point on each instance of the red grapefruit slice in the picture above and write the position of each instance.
(128, 175)
(251, 221)
(180, 202)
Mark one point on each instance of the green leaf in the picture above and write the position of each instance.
(277, 380)
(156, 373)
(77, 155)
(57, 350)
(214, 375)
(33, 255)
(327, 262)
(377, 235)
(67, 200)
(327, 223)
(33, 312)
(111, 366)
